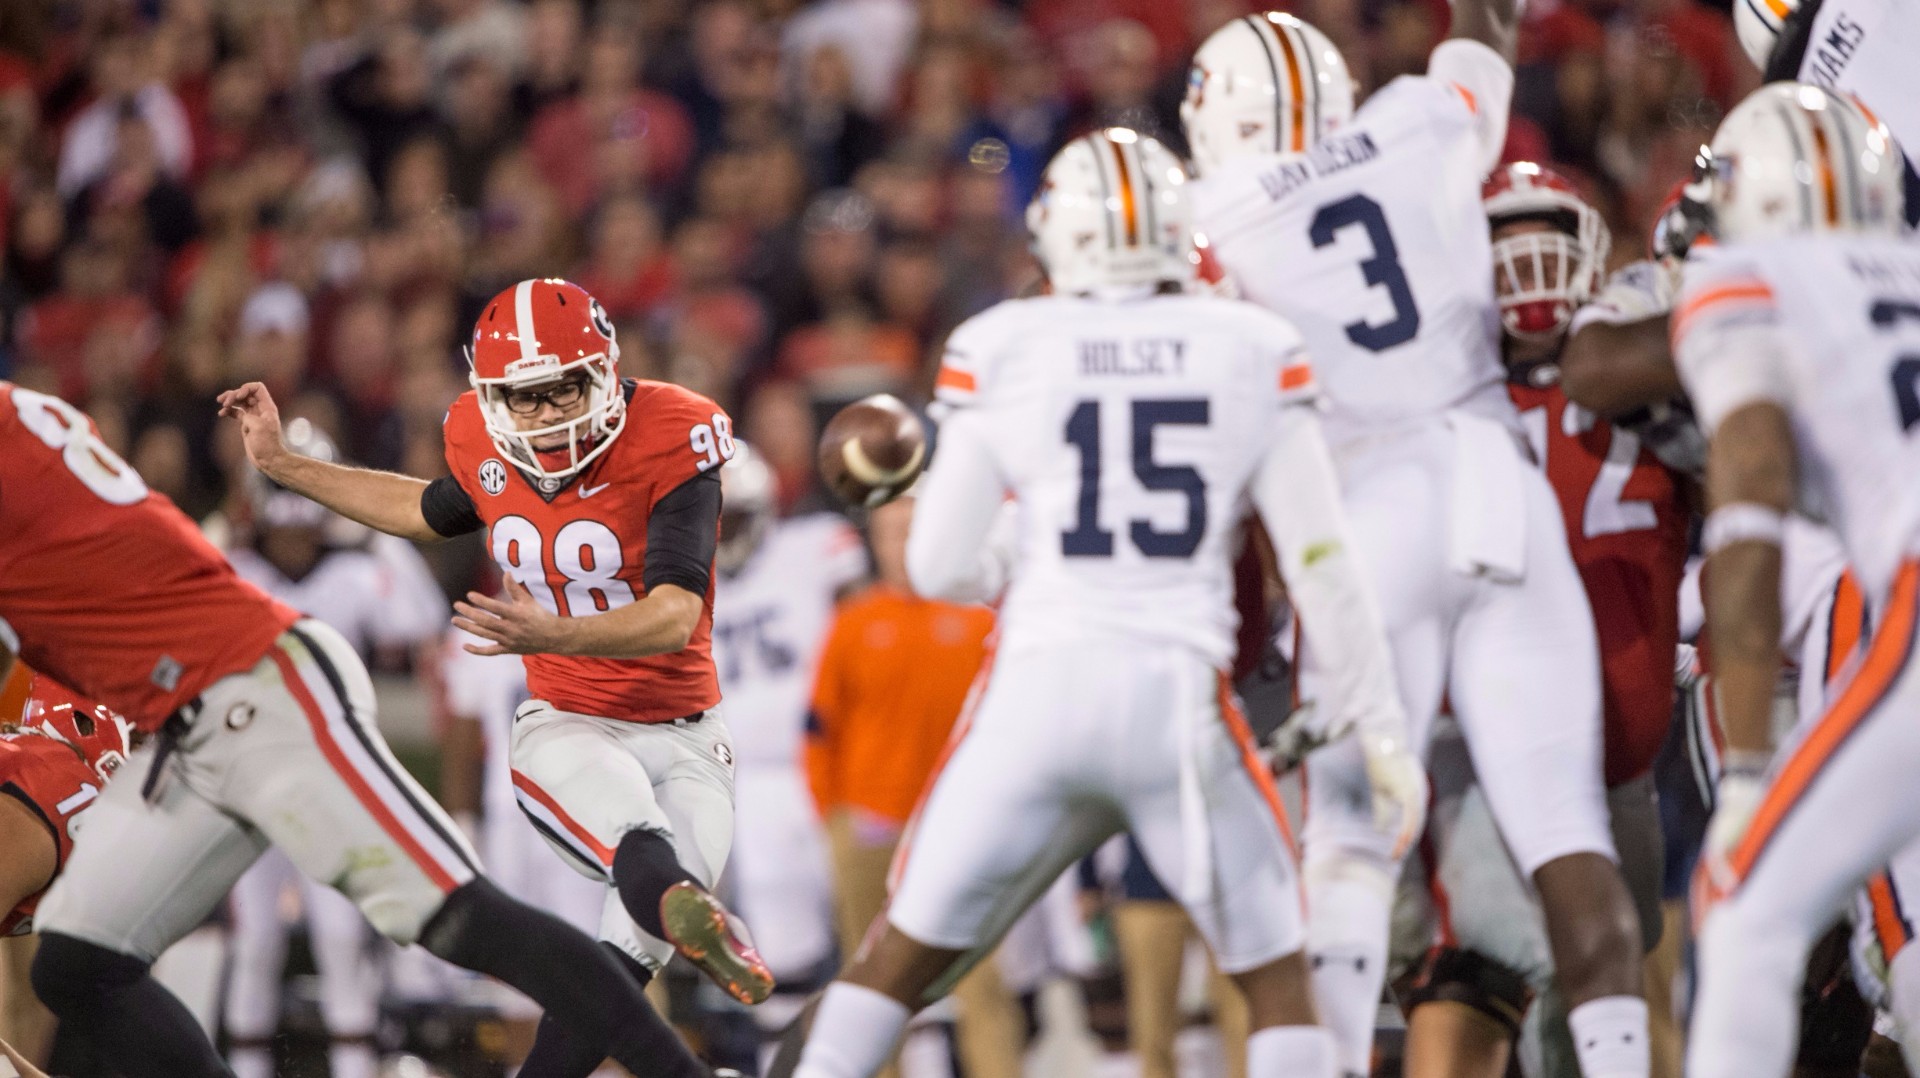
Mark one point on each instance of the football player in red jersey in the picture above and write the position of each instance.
(265, 735)
(601, 499)
(56, 751)
(54, 758)
(1627, 516)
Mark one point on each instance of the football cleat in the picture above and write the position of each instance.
(700, 928)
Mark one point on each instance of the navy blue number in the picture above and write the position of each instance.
(1146, 416)
(1087, 538)
(1382, 270)
(1906, 390)
(1887, 314)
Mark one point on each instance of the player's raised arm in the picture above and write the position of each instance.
(395, 504)
(949, 555)
(1298, 498)
(1493, 23)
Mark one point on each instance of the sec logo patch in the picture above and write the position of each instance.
(493, 476)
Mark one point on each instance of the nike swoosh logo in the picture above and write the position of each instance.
(588, 492)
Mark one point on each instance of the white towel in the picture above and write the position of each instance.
(1487, 532)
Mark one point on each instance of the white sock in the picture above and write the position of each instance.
(853, 1033)
(1291, 1052)
(1349, 902)
(251, 1062)
(1610, 1037)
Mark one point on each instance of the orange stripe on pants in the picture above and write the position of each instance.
(1250, 759)
(1885, 659)
(1888, 924)
(1846, 625)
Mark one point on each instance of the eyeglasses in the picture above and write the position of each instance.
(562, 396)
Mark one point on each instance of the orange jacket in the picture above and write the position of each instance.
(893, 677)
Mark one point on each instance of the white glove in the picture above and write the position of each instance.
(1399, 783)
(1736, 799)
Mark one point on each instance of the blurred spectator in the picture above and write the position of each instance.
(123, 76)
(480, 123)
(384, 97)
(838, 137)
(1024, 117)
(92, 327)
(134, 181)
(613, 136)
(495, 29)
(876, 37)
(553, 46)
(627, 270)
(365, 380)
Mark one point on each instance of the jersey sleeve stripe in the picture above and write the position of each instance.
(1296, 376)
(1466, 95)
(1751, 290)
(955, 380)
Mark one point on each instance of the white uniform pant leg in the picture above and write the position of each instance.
(1525, 684)
(1232, 867)
(1019, 799)
(294, 749)
(585, 781)
(1842, 802)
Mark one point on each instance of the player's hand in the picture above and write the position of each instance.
(1736, 799)
(259, 420)
(515, 623)
(1299, 734)
(1399, 783)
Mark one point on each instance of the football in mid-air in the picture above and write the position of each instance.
(872, 450)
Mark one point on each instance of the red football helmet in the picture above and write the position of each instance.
(536, 333)
(1541, 278)
(98, 732)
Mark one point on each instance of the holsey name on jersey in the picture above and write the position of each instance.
(1832, 53)
(1165, 356)
(1327, 157)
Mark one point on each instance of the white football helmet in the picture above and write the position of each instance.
(1265, 83)
(1795, 158)
(1112, 212)
(749, 500)
(1759, 22)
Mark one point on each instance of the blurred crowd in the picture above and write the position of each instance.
(781, 203)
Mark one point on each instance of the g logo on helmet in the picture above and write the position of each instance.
(598, 315)
(493, 476)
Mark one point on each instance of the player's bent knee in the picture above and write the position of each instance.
(70, 974)
(1472, 980)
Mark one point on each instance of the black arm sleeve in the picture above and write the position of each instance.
(448, 508)
(681, 533)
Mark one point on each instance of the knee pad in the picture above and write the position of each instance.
(1451, 975)
(70, 974)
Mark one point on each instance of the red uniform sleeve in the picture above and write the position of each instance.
(682, 433)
